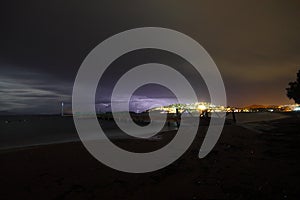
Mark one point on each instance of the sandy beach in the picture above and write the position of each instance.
(245, 164)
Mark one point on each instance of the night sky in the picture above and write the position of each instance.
(255, 44)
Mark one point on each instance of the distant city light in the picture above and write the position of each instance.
(205, 106)
(194, 107)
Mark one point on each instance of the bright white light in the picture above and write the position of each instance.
(297, 109)
(202, 107)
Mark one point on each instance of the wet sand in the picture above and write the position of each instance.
(244, 164)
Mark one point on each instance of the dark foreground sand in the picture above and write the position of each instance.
(244, 165)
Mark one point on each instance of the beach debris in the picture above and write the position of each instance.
(263, 186)
(228, 146)
(155, 138)
(199, 182)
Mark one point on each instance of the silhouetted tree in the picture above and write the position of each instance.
(293, 92)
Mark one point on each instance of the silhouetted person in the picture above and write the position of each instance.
(178, 117)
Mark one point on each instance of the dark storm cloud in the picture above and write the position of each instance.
(255, 44)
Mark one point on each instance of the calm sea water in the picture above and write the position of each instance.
(24, 131)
